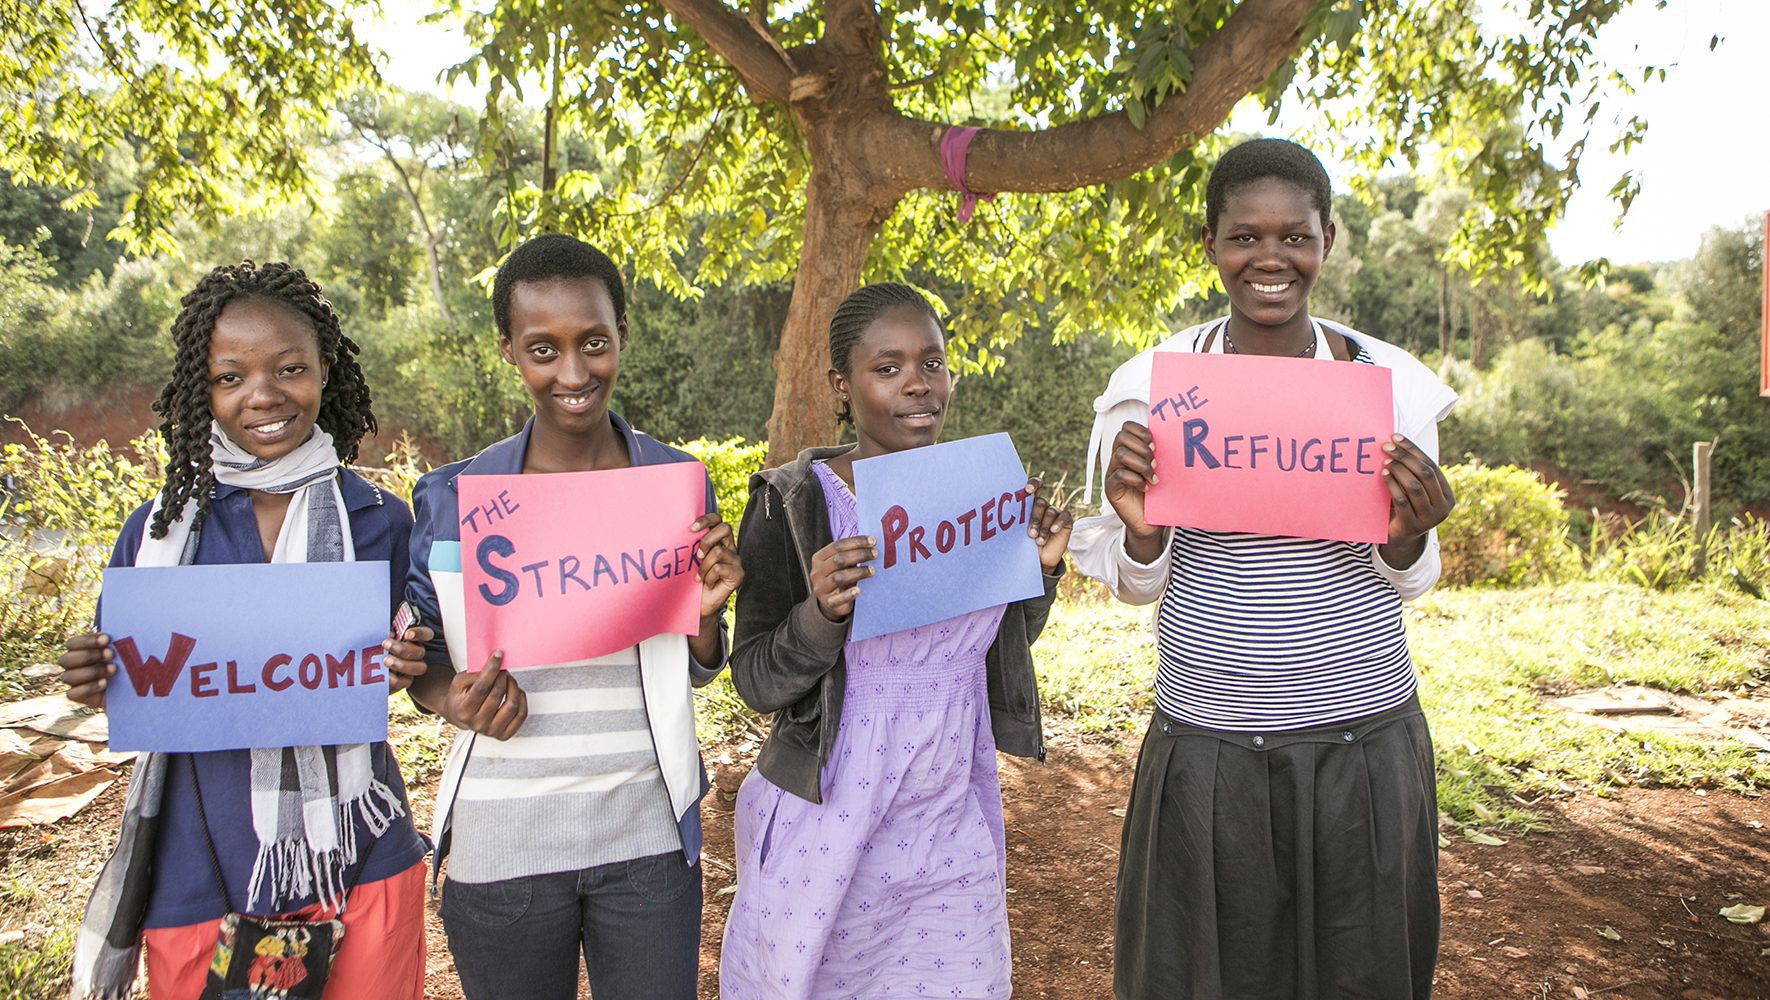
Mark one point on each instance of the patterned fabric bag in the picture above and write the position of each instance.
(268, 958)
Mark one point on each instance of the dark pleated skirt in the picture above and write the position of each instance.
(1292, 865)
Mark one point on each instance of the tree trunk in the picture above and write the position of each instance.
(549, 215)
(1477, 332)
(432, 239)
(840, 223)
(1443, 315)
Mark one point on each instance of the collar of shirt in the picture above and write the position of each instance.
(505, 457)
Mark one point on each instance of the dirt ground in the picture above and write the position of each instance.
(1529, 919)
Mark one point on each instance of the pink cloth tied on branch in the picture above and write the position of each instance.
(953, 145)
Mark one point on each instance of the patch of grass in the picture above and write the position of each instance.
(1488, 661)
(35, 966)
(719, 713)
(420, 741)
(1096, 664)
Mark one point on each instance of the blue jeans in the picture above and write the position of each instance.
(637, 922)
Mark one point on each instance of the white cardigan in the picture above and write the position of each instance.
(1097, 546)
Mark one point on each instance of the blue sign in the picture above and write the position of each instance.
(248, 655)
(950, 520)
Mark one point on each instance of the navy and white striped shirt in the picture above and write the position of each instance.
(1262, 632)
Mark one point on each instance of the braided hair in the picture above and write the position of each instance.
(858, 311)
(1258, 159)
(183, 405)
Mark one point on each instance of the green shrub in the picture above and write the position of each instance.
(730, 464)
(1657, 552)
(1740, 556)
(65, 508)
(400, 468)
(1508, 529)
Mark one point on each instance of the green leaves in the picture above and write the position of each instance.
(611, 119)
(205, 96)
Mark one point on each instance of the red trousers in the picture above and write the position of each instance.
(382, 955)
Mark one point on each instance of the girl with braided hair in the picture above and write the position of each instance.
(869, 837)
(265, 404)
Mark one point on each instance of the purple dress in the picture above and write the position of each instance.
(895, 885)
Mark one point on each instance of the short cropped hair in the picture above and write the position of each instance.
(549, 257)
(1258, 159)
(858, 311)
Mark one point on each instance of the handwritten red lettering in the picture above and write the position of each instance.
(311, 672)
(340, 670)
(270, 669)
(150, 674)
(233, 683)
(371, 661)
(202, 685)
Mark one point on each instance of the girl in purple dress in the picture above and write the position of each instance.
(869, 836)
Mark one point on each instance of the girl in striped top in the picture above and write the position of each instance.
(1281, 837)
(569, 807)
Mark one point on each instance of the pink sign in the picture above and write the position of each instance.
(1270, 446)
(567, 566)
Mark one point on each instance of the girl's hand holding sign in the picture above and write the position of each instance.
(1049, 527)
(1129, 475)
(1419, 500)
(721, 574)
(487, 701)
(836, 572)
(85, 667)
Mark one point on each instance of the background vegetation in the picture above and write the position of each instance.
(1603, 387)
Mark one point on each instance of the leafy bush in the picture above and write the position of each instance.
(1740, 556)
(446, 385)
(63, 508)
(107, 331)
(1508, 529)
(1659, 553)
(400, 468)
(730, 464)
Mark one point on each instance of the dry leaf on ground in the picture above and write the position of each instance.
(1743, 913)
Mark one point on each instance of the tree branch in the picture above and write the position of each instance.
(432, 239)
(687, 171)
(760, 62)
(851, 28)
(1252, 43)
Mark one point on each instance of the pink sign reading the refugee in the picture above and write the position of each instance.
(1270, 446)
(567, 566)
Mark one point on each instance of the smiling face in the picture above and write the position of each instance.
(266, 376)
(566, 341)
(1268, 246)
(898, 382)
